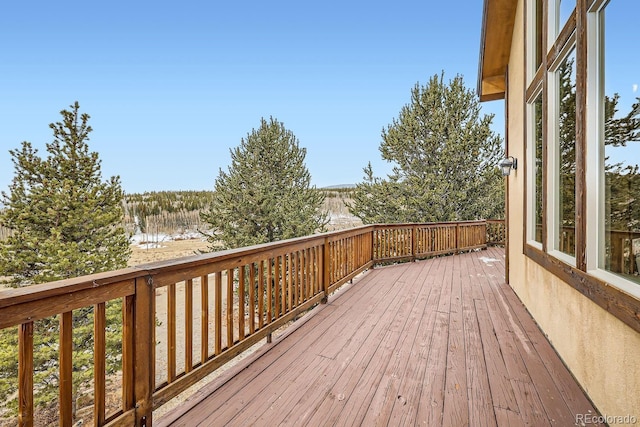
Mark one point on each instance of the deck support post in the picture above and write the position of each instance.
(413, 243)
(325, 270)
(144, 364)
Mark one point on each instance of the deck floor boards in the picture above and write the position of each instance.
(436, 342)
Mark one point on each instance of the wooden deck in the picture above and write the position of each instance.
(436, 342)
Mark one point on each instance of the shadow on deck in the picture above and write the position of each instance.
(438, 342)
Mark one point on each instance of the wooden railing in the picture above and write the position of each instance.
(394, 242)
(182, 319)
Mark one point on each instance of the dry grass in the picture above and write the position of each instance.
(167, 250)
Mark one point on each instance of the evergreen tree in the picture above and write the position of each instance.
(66, 222)
(445, 160)
(266, 194)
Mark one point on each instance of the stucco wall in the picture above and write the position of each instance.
(601, 351)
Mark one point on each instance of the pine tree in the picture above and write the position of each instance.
(444, 155)
(266, 193)
(66, 222)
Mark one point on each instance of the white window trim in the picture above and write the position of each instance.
(616, 281)
(553, 158)
(555, 26)
(595, 150)
(553, 10)
(531, 41)
(531, 171)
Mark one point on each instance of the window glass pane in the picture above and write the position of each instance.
(565, 9)
(566, 140)
(538, 35)
(537, 138)
(621, 141)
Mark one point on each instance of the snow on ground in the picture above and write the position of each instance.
(155, 240)
(488, 261)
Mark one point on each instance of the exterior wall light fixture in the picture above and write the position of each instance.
(507, 164)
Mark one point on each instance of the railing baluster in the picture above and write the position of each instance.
(241, 292)
(293, 270)
(230, 303)
(128, 352)
(204, 318)
(302, 297)
(171, 333)
(252, 298)
(299, 288)
(310, 276)
(99, 362)
(305, 270)
(278, 296)
(265, 312)
(302, 288)
(188, 325)
(290, 281)
(269, 278)
(218, 312)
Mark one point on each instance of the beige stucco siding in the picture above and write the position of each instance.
(515, 139)
(601, 351)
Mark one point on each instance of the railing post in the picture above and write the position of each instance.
(25, 374)
(413, 243)
(325, 270)
(484, 234)
(457, 237)
(66, 368)
(373, 247)
(144, 366)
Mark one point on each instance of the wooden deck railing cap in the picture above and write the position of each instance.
(238, 253)
(425, 224)
(9, 297)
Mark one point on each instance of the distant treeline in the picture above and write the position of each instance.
(179, 211)
(165, 211)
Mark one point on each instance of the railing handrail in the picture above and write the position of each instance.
(271, 282)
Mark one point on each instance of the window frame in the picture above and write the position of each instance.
(553, 155)
(595, 249)
(532, 194)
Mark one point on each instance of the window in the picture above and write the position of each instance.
(535, 171)
(615, 145)
(538, 168)
(536, 51)
(537, 36)
(564, 149)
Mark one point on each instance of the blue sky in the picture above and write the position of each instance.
(172, 86)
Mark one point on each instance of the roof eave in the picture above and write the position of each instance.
(498, 18)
